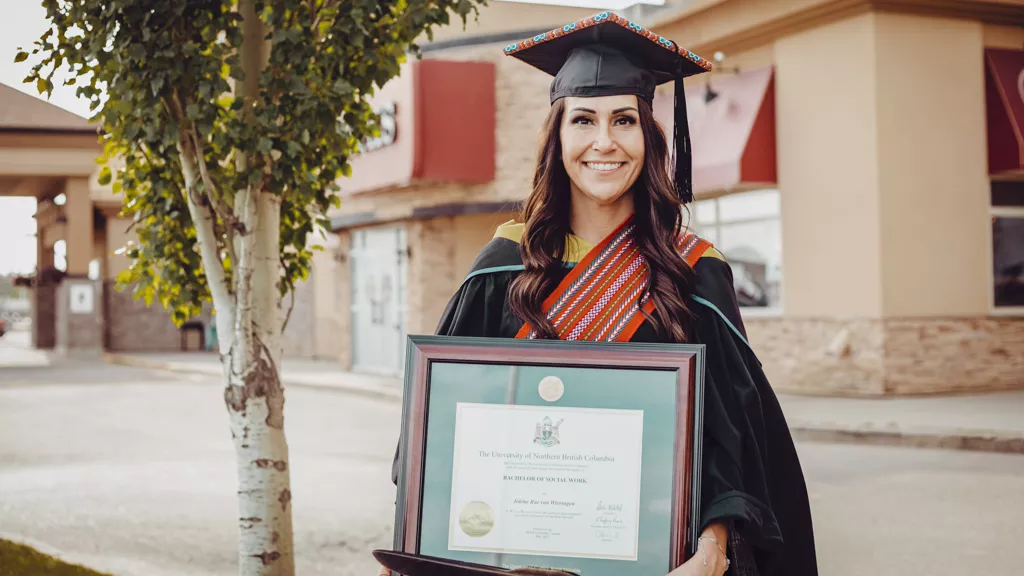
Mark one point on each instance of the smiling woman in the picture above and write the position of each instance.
(602, 255)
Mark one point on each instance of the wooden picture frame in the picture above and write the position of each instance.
(686, 361)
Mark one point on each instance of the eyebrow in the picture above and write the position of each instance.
(616, 111)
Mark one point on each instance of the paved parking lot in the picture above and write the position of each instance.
(132, 471)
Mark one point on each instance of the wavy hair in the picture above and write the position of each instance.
(657, 220)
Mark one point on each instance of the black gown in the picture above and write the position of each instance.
(752, 479)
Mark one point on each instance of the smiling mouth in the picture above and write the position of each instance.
(604, 166)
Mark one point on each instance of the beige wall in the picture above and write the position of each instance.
(327, 313)
(827, 153)
(882, 168)
(431, 272)
(78, 210)
(933, 181)
(500, 17)
(343, 301)
(708, 24)
(442, 251)
(473, 232)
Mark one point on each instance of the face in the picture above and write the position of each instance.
(602, 146)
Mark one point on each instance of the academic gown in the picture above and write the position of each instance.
(752, 478)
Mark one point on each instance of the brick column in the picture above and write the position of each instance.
(43, 298)
(80, 316)
(79, 300)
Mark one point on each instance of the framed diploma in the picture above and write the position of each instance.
(576, 456)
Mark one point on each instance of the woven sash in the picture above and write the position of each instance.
(599, 299)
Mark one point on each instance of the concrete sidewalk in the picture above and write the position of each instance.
(982, 422)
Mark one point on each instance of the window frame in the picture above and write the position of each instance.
(1000, 212)
(694, 225)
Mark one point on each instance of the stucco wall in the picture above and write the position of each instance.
(933, 167)
(827, 150)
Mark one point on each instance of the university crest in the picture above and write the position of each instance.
(546, 433)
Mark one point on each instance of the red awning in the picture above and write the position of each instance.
(1004, 103)
(733, 133)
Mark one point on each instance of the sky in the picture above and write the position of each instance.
(23, 22)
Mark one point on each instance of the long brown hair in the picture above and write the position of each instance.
(657, 223)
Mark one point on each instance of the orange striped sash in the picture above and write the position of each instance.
(599, 299)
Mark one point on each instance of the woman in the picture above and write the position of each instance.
(605, 213)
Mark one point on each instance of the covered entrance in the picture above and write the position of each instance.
(379, 269)
(48, 154)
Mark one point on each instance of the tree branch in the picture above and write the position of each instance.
(200, 156)
(203, 220)
(291, 290)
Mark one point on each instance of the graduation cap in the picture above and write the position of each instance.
(419, 565)
(607, 55)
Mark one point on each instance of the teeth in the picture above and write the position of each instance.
(603, 166)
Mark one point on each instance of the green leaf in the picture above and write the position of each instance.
(104, 176)
(20, 57)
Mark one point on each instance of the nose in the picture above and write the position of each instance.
(603, 139)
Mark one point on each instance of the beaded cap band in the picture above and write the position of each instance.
(614, 18)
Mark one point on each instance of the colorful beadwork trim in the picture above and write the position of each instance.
(600, 299)
(609, 17)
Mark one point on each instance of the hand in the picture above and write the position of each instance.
(384, 572)
(710, 558)
(716, 565)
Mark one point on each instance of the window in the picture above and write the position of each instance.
(747, 228)
(1008, 247)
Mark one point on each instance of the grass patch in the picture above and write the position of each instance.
(20, 560)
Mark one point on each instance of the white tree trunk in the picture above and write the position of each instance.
(253, 394)
(249, 322)
(255, 399)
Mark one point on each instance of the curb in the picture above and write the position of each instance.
(214, 370)
(950, 439)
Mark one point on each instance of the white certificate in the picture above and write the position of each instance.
(546, 481)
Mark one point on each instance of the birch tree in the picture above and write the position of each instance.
(226, 126)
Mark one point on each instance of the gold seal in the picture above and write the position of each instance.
(551, 388)
(476, 519)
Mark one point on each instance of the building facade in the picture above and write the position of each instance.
(859, 163)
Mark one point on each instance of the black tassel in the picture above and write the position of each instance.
(681, 143)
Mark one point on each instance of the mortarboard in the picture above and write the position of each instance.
(417, 565)
(607, 55)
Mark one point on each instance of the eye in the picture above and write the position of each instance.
(581, 120)
(625, 121)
